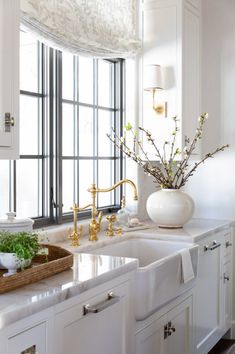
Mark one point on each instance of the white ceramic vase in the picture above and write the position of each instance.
(170, 208)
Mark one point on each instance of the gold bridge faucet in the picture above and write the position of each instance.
(95, 225)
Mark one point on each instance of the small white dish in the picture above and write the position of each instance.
(134, 222)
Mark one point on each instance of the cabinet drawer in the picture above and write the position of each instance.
(31, 341)
(95, 325)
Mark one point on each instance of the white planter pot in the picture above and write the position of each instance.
(11, 262)
(170, 208)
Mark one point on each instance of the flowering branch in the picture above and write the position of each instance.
(168, 174)
(207, 156)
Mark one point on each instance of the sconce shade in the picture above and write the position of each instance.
(153, 77)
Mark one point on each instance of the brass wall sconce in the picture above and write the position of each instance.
(153, 81)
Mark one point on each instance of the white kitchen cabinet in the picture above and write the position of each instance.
(171, 32)
(31, 341)
(227, 282)
(9, 79)
(227, 296)
(95, 325)
(99, 320)
(212, 293)
(171, 333)
(31, 335)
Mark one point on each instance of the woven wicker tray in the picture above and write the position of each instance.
(42, 266)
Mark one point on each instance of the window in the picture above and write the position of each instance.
(68, 105)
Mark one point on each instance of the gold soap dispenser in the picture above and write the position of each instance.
(123, 214)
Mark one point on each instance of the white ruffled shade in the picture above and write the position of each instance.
(98, 28)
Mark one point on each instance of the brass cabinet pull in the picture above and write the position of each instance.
(111, 299)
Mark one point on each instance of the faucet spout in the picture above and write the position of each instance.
(94, 189)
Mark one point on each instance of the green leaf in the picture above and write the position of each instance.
(128, 126)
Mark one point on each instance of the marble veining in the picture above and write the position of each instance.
(88, 271)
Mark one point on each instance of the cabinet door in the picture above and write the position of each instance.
(9, 78)
(104, 331)
(31, 341)
(151, 339)
(209, 295)
(172, 333)
(227, 296)
(181, 328)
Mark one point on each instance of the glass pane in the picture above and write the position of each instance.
(68, 129)
(30, 108)
(85, 78)
(68, 185)
(105, 123)
(67, 76)
(105, 83)
(85, 181)
(28, 188)
(86, 131)
(4, 187)
(105, 178)
(29, 56)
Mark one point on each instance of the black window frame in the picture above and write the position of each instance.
(51, 92)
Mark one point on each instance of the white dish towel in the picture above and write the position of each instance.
(186, 265)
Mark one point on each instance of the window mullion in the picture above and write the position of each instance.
(58, 119)
(52, 188)
(41, 130)
(96, 127)
(75, 95)
(76, 131)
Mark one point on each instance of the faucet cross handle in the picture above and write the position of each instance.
(75, 236)
(111, 231)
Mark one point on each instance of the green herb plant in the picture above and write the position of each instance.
(24, 244)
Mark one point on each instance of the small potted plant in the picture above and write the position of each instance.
(17, 250)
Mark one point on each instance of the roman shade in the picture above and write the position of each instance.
(100, 28)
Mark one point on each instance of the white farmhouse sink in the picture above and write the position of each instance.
(158, 277)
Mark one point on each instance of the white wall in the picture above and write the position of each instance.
(213, 185)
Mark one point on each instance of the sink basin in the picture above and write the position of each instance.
(158, 279)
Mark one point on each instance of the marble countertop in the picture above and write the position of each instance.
(193, 232)
(88, 271)
(92, 270)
